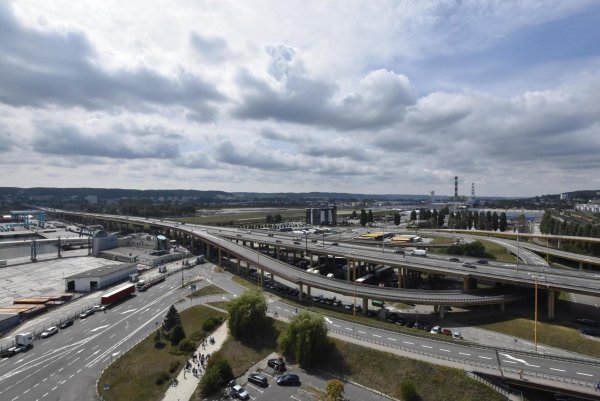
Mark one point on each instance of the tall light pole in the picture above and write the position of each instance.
(517, 249)
(354, 303)
(535, 315)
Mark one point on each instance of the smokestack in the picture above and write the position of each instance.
(455, 187)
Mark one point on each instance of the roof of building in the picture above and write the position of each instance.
(103, 271)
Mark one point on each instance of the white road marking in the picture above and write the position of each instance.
(393, 339)
(44, 395)
(128, 311)
(584, 374)
(483, 357)
(376, 335)
(558, 370)
(336, 325)
(54, 388)
(508, 361)
(408, 342)
(426, 346)
(348, 328)
(91, 355)
(361, 332)
(445, 350)
(328, 320)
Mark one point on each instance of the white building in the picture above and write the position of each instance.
(100, 277)
(91, 199)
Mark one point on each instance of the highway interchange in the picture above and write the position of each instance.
(67, 365)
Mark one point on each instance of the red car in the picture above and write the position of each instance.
(447, 332)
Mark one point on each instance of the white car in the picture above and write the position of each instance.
(99, 307)
(238, 391)
(436, 330)
(456, 335)
(49, 332)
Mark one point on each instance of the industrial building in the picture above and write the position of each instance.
(100, 277)
(322, 216)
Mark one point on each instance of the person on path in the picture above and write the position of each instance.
(521, 374)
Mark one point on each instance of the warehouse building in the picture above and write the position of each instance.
(100, 277)
(326, 216)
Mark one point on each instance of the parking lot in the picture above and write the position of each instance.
(310, 384)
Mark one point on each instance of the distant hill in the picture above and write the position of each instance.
(112, 192)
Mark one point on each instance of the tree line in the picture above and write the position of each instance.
(554, 225)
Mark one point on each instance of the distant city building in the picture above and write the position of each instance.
(593, 206)
(326, 216)
(564, 196)
(91, 199)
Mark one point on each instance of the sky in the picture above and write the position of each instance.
(351, 96)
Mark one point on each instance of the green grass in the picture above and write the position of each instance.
(245, 283)
(210, 289)
(132, 377)
(219, 304)
(385, 372)
(555, 334)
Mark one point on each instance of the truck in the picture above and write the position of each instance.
(23, 342)
(420, 252)
(200, 260)
(146, 283)
(134, 278)
(117, 294)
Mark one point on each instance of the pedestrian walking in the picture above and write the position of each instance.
(597, 386)
(521, 374)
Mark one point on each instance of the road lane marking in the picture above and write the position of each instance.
(464, 353)
(508, 361)
(376, 335)
(408, 342)
(584, 374)
(91, 355)
(336, 325)
(348, 328)
(393, 339)
(445, 350)
(111, 336)
(361, 332)
(426, 346)
(483, 357)
(54, 388)
(558, 370)
(44, 395)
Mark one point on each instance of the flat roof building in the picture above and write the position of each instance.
(101, 277)
(322, 216)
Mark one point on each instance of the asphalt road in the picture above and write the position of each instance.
(66, 366)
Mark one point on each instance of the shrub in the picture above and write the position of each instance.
(218, 374)
(177, 335)
(408, 392)
(174, 366)
(186, 346)
(211, 323)
(162, 377)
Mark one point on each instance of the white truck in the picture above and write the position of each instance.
(23, 342)
(420, 252)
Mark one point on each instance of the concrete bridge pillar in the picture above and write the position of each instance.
(551, 297)
(310, 257)
(261, 280)
(272, 278)
(300, 291)
(442, 311)
(219, 259)
(503, 307)
(207, 250)
(365, 306)
(402, 277)
(308, 290)
(469, 284)
(238, 266)
(277, 252)
(580, 265)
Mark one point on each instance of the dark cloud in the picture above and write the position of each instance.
(358, 153)
(39, 69)
(6, 139)
(263, 159)
(381, 99)
(274, 135)
(69, 141)
(210, 49)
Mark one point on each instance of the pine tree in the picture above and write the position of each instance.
(172, 319)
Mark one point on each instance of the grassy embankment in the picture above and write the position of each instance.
(134, 376)
(210, 289)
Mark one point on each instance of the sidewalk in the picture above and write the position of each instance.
(187, 381)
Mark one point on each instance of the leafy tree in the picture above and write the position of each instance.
(413, 215)
(187, 346)
(172, 319)
(177, 335)
(277, 219)
(354, 215)
(502, 223)
(218, 374)
(370, 216)
(269, 219)
(305, 339)
(158, 343)
(247, 314)
(397, 219)
(334, 390)
(495, 221)
(363, 217)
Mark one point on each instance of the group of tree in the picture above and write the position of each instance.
(560, 226)
(475, 249)
(172, 331)
(365, 217)
(396, 219)
(273, 219)
(490, 221)
(429, 218)
(218, 374)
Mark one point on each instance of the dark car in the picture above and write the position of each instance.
(288, 380)
(469, 265)
(258, 379)
(334, 244)
(65, 324)
(454, 260)
(277, 364)
(482, 262)
(86, 313)
(590, 332)
(587, 322)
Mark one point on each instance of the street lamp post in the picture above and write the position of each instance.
(517, 249)
(535, 315)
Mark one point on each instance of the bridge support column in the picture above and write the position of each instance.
(349, 269)
(262, 277)
(238, 266)
(503, 307)
(551, 296)
(219, 260)
(300, 291)
(310, 257)
(365, 306)
(277, 252)
(308, 290)
(272, 278)
(442, 311)
(580, 265)
(402, 277)
(469, 284)
(207, 250)
(58, 247)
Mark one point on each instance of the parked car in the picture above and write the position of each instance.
(470, 265)
(277, 364)
(590, 332)
(587, 322)
(86, 313)
(65, 324)
(98, 308)
(334, 244)
(456, 335)
(50, 331)
(454, 260)
(288, 380)
(239, 392)
(482, 262)
(258, 379)
(435, 329)
(447, 332)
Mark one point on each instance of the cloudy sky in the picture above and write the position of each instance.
(343, 96)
